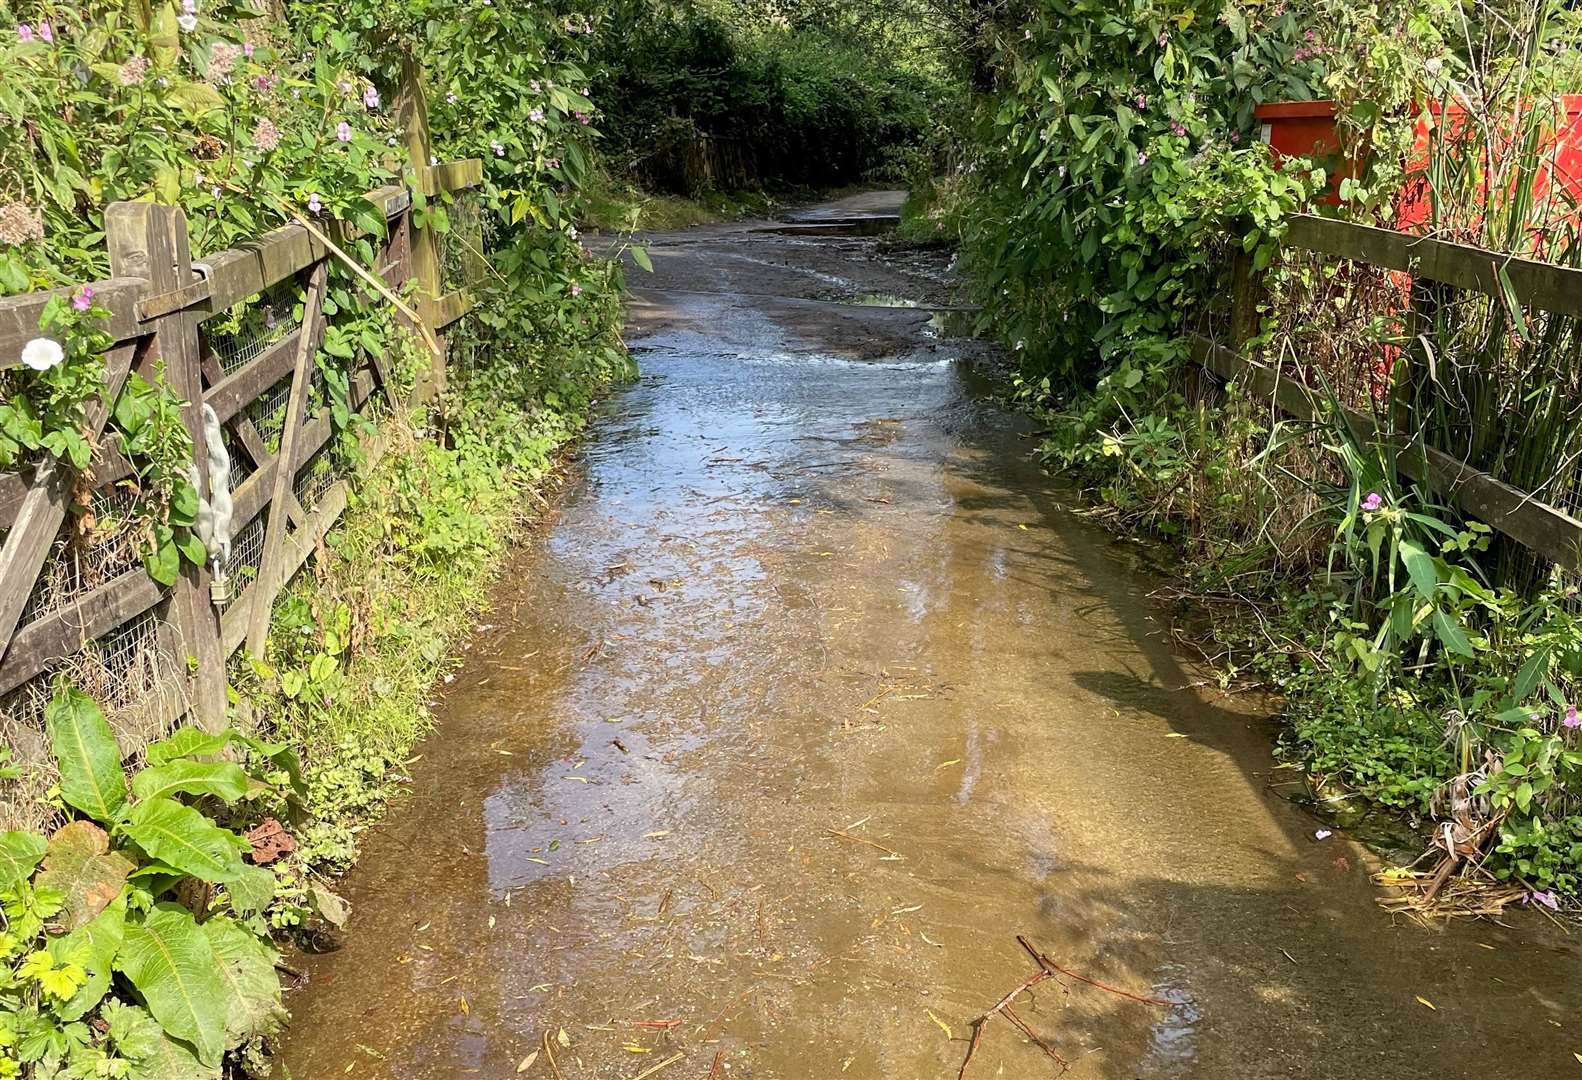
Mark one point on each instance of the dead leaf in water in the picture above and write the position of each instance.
(947, 764)
(1421, 1000)
(562, 1038)
(942, 1025)
(527, 1062)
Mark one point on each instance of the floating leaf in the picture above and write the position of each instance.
(184, 839)
(941, 1024)
(1426, 1003)
(527, 1062)
(20, 852)
(168, 959)
(88, 874)
(91, 779)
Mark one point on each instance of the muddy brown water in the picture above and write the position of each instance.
(814, 697)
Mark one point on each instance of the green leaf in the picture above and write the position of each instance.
(223, 780)
(1420, 565)
(94, 947)
(188, 741)
(153, 1054)
(20, 852)
(247, 968)
(182, 838)
(91, 779)
(640, 257)
(1450, 635)
(164, 563)
(252, 890)
(168, 959)
(88, 874)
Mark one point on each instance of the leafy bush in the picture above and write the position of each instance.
(138, 948)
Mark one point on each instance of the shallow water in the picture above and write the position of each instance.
(814, 697)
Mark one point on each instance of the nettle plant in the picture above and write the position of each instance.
(134, 942)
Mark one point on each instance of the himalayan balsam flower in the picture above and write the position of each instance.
(45, 33)
(1178, 129)
(576, 290)
(83, 300)
(450, 98)
(536, 115)
(1571, 720)
(344, 86)
(343, 131)
(1372, 502)
(41, 354)
(314, 205)
(266, 136)
(24, 32)
(1142, 158)
(370, 98)
(533, 85)
(1142, 101)
(497, 147)
(222, 61)
(584, 118)
(552, 163)
(1235, 138)
(1164, 39)
(247, 49)
(18, 224)
(1547, 899)
(189, 23)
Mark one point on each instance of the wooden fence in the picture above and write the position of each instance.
(1549, 531)
(160, 301)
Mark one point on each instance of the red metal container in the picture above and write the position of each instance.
(1306, 129)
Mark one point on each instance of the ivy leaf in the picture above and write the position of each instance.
(223, 780)
(164, 563)
(168, 959)
(185, 840)
(91, 779)
(20, 852)
(247, 968)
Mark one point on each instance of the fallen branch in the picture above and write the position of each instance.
(1053, 969)
(714, 1069)
(665, 1064)
(864, 840)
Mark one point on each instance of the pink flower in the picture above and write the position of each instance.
(533, 85)
(1571, 720)
(266, 136)
(1164, 39)
(498, 147)
(1142, 101)
(343, 131)
(1142, 158)
(1547, 899)
(83, 300)
(1178, 129)
(133, 71)
(1235, 138)
(536, 115)
(552, 163)
(46, 33)
(1371, 502)
(24, 32)
(584, 118)
(576, 290)
(314, 205)
(264, 82)
(370, 98)
(247, 49)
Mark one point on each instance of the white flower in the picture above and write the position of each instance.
(41, 354)
(188, 23)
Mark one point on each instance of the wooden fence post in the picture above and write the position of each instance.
(1247, 291)
(149, 241)
(412, 116)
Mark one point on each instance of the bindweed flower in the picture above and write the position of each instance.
(1371, 502)
(83, 299)
(536, 115)
(189, 23)
(391, 141)
(314, 205)
(266, 136)
(370, 98)
(1571, 720)
(343, 131)
(41, 354)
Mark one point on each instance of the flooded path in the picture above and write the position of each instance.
(817, 695)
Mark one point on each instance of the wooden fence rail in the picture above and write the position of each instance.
(1547, 530)
(159, 299)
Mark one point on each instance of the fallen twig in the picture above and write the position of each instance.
(669, 1061)
(1054, 968)
(714, 1069)
(864, 840)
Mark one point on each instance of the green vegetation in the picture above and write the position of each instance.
(141, 947)
(1427, 666)
(728, 95)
